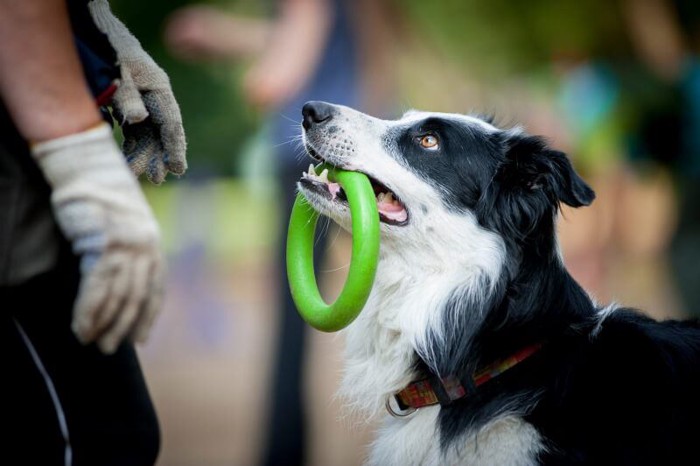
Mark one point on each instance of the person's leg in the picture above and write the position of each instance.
(73, 404)
(286, 422)
(33, 431)
(685, 246)
(286, 425)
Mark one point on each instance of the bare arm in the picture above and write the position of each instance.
(292, 53)
(286, 49)
(41, 79)
(654, 32)
(202, 32)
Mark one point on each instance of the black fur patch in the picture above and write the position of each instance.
(461, 167)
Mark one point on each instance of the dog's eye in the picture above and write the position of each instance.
(429, 141)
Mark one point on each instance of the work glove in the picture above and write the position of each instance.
(144, 104)
(100, 208)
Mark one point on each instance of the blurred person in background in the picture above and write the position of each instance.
(80, 260)
(631, 121)
(665, 127)
(309, 50)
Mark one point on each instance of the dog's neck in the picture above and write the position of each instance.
(382, 344)
(450, 316)
(416, 278)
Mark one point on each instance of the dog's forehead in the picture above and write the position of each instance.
(414, 116)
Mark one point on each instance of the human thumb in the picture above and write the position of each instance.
(128, 101)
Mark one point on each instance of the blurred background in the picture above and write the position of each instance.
(236, 377)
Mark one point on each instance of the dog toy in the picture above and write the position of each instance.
(363, 263)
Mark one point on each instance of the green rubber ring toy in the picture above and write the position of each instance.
(363, 263)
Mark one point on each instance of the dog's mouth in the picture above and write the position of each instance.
(391, 210)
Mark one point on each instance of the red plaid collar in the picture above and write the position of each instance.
(431, 391)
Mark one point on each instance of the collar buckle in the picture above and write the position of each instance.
(399, 412)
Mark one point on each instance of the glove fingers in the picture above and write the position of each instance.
(103, 315)
(156, 171)
(95, 287)
(140, 145)
(131, 305)
(152, 307)
(121, 285)
(165, 113)
(128, 101)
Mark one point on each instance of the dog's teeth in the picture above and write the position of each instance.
(389, 198)
(312, 170)
(324, 175)
(380, 197)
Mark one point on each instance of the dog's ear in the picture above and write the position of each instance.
(532, 166)
(530, 182)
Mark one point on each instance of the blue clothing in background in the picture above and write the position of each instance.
(335, 80)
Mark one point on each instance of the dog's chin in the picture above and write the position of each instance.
(326, 203)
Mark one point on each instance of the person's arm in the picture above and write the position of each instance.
(203, 32)
(292, 53)
(653, 30)
(96, 200)
(41, 80)
(287, 49)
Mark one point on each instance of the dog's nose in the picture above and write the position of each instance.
(315, 112)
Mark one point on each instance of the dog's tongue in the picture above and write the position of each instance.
(333, 188)
(392, 211)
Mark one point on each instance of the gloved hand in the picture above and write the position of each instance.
(144, 104)
(102, 211)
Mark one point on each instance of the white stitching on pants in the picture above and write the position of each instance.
(68, 455)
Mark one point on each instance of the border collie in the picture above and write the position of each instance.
(476, 340)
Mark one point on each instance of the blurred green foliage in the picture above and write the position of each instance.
(488, 41)
(494, 38)
(488, 38)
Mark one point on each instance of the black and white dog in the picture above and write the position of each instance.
(475, 338)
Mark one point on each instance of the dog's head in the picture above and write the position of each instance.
(429, 169)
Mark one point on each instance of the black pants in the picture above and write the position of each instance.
(685, 245)
(287, 424)
(65, 403)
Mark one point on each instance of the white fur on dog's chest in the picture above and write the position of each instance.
(414, 281)
(409, 293)
(381, 343)
(379, 363)
(507, 441)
